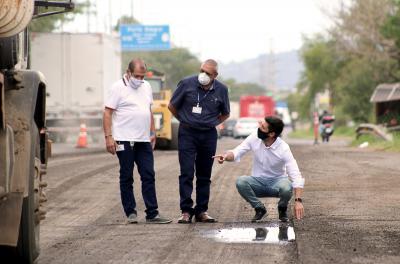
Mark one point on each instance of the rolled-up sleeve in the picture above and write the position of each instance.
(292, 170)
(242, 149)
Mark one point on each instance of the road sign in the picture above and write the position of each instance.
(144, 37)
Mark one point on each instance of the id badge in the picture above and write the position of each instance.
(196, 110)
(120, 147)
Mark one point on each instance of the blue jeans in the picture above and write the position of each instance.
(140, 153)
(196, 148)
(251, 188)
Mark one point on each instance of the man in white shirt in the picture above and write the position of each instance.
(128, 112)
(275, 172)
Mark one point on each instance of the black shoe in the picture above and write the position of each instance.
(283, 214)
(260, 212)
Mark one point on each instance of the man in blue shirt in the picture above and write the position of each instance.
(200, 103)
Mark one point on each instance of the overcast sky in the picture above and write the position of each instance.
(227, 30)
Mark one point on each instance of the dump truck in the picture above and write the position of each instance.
(165, 123)
(23, 138)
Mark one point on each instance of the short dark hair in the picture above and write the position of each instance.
(275, 124)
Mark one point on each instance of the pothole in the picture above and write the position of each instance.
(270, 234)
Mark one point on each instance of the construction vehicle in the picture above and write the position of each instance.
(166, 124)
(23, 139)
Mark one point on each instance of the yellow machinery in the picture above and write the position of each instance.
(166, 125)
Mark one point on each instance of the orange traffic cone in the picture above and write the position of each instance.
(82, 140)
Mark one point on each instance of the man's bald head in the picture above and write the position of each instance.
(137, 64)
(210, 67)
(137, 68)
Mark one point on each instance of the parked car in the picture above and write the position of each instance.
(245, 126)
(228, 127)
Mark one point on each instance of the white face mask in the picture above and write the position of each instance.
(204, 79)
(135, 83)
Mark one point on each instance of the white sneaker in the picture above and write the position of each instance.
(132, 219)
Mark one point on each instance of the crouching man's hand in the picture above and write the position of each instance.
(228, 156)
(220, 158)
(298, 210)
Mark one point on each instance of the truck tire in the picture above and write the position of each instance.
(174, 140)
(28, 241)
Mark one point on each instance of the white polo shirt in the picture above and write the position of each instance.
(274, 161)
(131, 117)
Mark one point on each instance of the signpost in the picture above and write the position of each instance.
(144, 37)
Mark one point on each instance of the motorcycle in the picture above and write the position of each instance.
(327, 128)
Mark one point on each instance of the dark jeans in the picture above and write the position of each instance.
(196, 147)
(140, 153)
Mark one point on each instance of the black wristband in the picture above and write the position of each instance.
(298, 200)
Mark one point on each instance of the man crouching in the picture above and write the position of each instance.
(275, 172)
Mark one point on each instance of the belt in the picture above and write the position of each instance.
(196, 128)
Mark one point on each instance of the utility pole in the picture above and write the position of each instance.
(132, 9)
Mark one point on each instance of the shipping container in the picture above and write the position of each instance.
(79, 69)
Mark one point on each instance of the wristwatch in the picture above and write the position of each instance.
(298, 200)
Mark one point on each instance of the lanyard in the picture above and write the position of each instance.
(198, 96)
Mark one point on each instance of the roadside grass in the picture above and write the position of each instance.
(302, 134)
(344, 132)
(379, 144)
(340, 132)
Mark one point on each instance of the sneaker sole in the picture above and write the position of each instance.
(132, 222)
(184, 222)
(158, 222)
(207, 221)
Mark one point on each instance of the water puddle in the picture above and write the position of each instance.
(276, 234)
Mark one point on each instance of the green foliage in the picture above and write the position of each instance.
(322, 66)
(391, 27)
(362, 51)
(379, 144)
(356, 85)
(125, 20)
(238, 89)
(179, 63)
(176, 63)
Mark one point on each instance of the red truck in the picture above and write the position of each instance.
(256, 106)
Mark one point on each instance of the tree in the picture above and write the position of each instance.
(322, 65)
(176, 63)
(238, 89)
(125, 20)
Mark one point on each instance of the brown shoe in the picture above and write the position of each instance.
(205, 218)
(186, 218)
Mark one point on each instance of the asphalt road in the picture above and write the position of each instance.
(351, 202)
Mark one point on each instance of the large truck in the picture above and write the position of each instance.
(79, 69)
(165, 123)
(256, 106)
(23, 139)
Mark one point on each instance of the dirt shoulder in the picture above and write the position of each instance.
(351, 200)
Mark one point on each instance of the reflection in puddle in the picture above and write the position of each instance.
(268, 234)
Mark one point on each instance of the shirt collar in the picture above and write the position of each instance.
(211, 88)
(276, 143)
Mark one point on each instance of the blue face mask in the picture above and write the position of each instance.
(135, 83)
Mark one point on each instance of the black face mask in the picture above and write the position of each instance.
(262, 135)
